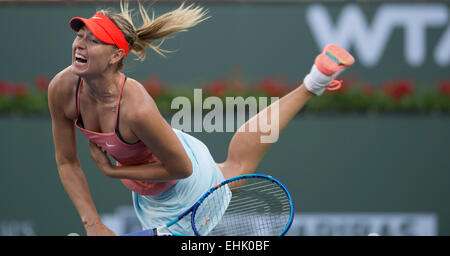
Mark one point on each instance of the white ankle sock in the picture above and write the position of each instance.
(316, 82)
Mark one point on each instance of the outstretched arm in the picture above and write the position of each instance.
(69, 169)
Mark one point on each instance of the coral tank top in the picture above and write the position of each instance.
(123, 152)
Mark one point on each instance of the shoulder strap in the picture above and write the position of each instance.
(124, 79)
(77, 95)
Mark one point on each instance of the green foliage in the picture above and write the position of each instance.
(394, 96)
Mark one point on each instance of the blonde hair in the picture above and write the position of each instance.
(153, 29)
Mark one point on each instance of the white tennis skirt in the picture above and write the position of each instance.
(157, 210)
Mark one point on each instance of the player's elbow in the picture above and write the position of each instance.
(187, 170)
(186, 173)
(183, 169)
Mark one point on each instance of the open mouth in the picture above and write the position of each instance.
(80, 59)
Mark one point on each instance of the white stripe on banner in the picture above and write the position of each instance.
(124, 220)
(362, 224)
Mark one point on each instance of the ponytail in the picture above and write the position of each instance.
(154, 29)
(169, 23)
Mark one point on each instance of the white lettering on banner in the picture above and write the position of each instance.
(17, 228)
(442, 52)
(362, 224)
(370, 41)
(124, 220)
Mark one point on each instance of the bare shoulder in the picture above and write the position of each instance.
(63, 80)
(137, 100)
(61, 92)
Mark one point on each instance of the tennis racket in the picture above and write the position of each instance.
(246, 205)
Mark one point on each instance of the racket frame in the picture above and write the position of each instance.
(246, 176)
(160, 231)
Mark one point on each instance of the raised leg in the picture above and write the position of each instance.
(246, 149)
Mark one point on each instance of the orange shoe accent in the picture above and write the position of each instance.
(333, 59)
(335, 85)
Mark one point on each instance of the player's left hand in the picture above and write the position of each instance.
(101, 159)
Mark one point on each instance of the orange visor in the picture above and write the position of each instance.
(103, 29)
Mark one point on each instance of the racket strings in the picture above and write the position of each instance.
(256, 206)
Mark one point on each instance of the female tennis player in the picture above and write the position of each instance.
(166, 169)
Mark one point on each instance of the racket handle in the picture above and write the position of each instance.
(148, 232)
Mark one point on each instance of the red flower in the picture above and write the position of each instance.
(5, 87)
(398, 89)
(368, 89)
(273, 87)
(236, 82)
(444, 87)
(42, 83)
(20, 90)
(217, 88)
(154, 86)
(8, 88)
(236, 86)
(348, 81)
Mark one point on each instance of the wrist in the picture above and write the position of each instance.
(90, 225)
(89, 222)
(108, 170)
